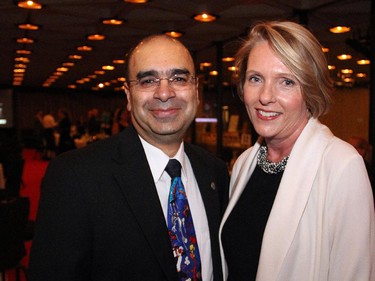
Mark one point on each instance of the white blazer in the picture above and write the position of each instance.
(322, 223)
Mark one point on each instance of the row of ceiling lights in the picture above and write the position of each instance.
(21, 62)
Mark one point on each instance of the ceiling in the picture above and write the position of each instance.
(65, 24)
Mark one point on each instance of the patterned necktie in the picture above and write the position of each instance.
(181, 227)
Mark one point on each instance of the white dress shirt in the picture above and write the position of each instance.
(157, 161)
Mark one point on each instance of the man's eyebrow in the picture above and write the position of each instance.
(142, 74)
(154, 73)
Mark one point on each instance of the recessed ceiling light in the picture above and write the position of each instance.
(347, 71)
(205, 64)
(29, 5)
(344, 57)
(214, 73)
(23, 52)
(228, 59)
(339, 29)
(96, 37)
(174, 34)
(62, 69)
(325, 49)
(108, 67)
(84, 48)
(22, 59)
(232, 68)
(118, 61)
(363, 62)
(361, 75)
(136, 1)
(25, 40)
(112, 21)
(75, 57)
(68, 64)
(205, 17)
(28, 26)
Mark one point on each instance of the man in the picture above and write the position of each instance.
(103, 209)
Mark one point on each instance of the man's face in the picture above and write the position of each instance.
(161, 113)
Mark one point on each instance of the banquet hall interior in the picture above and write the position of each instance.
(64, 60)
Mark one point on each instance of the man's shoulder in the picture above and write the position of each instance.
(203, 154)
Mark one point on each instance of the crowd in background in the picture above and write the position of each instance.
(55, 133)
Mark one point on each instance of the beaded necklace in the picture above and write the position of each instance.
(268, 166)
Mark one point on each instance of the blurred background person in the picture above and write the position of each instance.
(300, 205)
(121, 120)
(49, 126)
(65, 142)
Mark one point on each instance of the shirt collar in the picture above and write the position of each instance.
(158, 160)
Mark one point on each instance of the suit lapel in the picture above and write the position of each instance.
(136, 183)
(208, 188)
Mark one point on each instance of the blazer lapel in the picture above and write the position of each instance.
(136, 183)
(291, 199)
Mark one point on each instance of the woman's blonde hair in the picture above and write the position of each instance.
(300, 52)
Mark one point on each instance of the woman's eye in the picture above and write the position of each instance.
(254, 79)
(289, 82)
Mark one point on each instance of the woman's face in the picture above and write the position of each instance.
(273, 97)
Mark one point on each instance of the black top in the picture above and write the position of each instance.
(243, 231)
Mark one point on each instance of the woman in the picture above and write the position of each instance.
(301, 204)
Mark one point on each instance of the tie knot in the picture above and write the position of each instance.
(173, 168)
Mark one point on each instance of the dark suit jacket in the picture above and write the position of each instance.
(100, 217)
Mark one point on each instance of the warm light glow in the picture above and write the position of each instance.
(22, 59)
(173, 34)
(214, 73)
(347, 71)
(136, 1)
(92, 76)
(20, 65)
(99, 72)
(344, 57)
(363, 62)
(96, 37)
(101, 85)
(331, 67)
(325, 50)
(228, 59)
(112, 21)
(23, 52)
(29, 5)
(28, 26)
(25, 40)
(348, 80)
(232, 68)
(72, 86)
(205, 17)
(84, 48)
(339, 29)
(19, 70)
(75, 57)
(118, 61)
(205, 64)
(108, 67)
(121, 79)
(361, 75)
(62, 69)
(68, 64)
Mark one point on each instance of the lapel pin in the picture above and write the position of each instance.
(213, 185)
